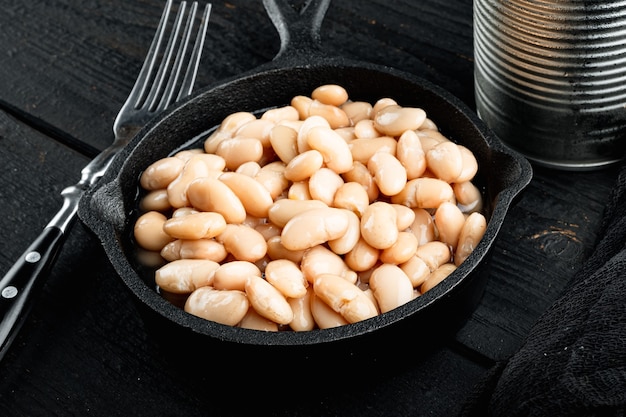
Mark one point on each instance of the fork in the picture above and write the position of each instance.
(152, 93)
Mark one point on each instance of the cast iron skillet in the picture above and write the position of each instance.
(109, 209)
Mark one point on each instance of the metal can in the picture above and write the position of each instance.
(550, 78)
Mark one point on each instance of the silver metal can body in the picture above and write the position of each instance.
(550, 78)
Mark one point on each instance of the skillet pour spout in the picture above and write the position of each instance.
(110, 208)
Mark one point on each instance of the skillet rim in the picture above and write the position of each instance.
(97, 215)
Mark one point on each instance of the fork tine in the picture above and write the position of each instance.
(192, 69)
(178, 63)
(166, 61)
(169, 93)
(139, 88)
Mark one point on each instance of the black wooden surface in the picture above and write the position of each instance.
(67, 66)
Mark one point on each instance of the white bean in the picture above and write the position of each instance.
(250, 169)
(268, 301)
(378, 225)
(335, 117)
(255, 198)
(314, 227)
(411, 154)
(362, 257)
(468, 196)
(285, 209)
(304, 165)
(148, 231)
(325, 317)
(225, 307)
(299, 191)
(470, 165)
(405, 216)
(363, 149)
(302, 104)
(437, 276)
(393, 120)
(334, 149)
(243, 242)
(272, 177)
(351, 196)
(284, 142)
(258, 129)
(382, 103)
(276, 250)
(472, 232)
(357, 110)
(423, 227)
(234, 275)
(287, 277)
(434, 254)
(344, 297)
(401, 251)
(416, 270)
(361, 175)
(194, 249)
(321, 260)
(239, 150)
(346, 243)
(281, 114)
(391, 286)
(332, 94)
(364, 129)
(388, 172)
(445, 161)
(323, 185)
(194, 168)
(449, 220)
(185, 275)
(303, 134)
(202, 225)
(254, 321)
(424, 192)
(210, 194)
(302, 315)
(160, 173)
(155, 200)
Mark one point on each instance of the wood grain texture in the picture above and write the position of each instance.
(546, 237)
(34, 171)
(72, 63)
(68, 65)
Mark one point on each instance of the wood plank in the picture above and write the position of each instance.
(547, 236)
(432, 39)
(412, 36)
(84, 350)
(35, 170)
(72, 64)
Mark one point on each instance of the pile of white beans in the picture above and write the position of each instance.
(317, 214)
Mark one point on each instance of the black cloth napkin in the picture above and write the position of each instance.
(573, 362)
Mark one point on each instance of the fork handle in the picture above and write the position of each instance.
(19, 285)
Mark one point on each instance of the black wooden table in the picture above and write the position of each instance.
(67, 66)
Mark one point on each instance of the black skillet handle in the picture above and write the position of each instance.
(17, 287)
(299, 32)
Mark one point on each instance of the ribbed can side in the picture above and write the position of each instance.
(550, 78)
